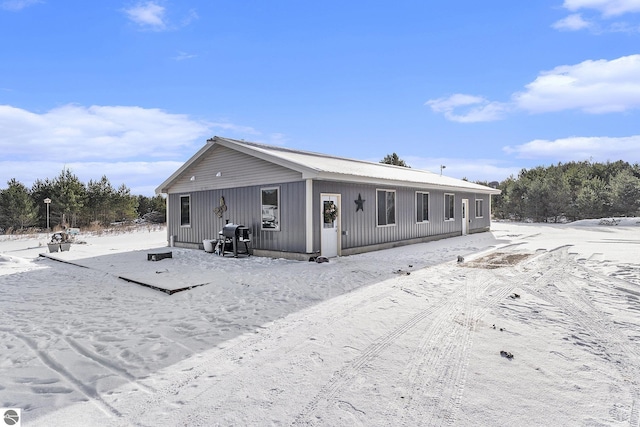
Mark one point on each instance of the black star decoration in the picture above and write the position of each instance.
(359, 203)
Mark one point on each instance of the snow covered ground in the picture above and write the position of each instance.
(406, 336)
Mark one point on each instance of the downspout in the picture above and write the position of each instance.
(309, 215)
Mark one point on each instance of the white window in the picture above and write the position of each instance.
(386, 201)
(422, 207)
(185, 211)
(479, 208)
(449, 207)
(270, 205)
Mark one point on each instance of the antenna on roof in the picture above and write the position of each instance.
(442, 167)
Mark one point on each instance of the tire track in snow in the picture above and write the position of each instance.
(90, 393)
(581, 310)
(104, 362)
(338, 308)
(438, 368)
(344, 376)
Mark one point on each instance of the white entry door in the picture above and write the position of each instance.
(465, 216)
(329, 223)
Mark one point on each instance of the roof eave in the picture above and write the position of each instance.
(332, 176)
(164, 187)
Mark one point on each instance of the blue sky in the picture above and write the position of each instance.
(132, 89)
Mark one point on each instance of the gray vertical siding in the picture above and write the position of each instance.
(235, 170)
(361, 229)
(243, 207)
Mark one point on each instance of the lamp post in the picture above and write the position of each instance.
(47, 202)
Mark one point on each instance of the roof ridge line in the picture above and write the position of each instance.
(313, 153)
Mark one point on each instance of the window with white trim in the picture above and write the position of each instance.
(422, 206)
(386, 202)
(449, 207)
(479, 203)
(185, 211)
(270, 205)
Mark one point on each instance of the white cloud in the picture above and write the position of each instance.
(572, 22)
(148, 15)
(235, 129)
(16, 5)
(594, 87)
(74, 132)
(140, 177)
(580, 148)
(181, 56)
(151, 15)
(591, 86)
(468, 108)
(192, 15)
(608, 8)
(139, 147)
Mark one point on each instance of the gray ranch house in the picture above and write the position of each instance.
(299, 204)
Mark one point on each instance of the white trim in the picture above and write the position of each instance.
(453, 203)
(331, 168)
(338, 197)
(465, 216)
(188, 196)
(395, 205)
(279, 217)
(309, 215)
(415, 199)
(475, 207)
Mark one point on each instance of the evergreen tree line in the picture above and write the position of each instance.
(73, 204)
(570, 191)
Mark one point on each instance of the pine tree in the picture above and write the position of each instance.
(69, 197)
(626, 193)
(17, 209)
(393, 159)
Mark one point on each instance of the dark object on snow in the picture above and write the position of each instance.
(60, 237)
(322, 259)
(159, 255)
(514, 296)
(506, 354)
(230, 238)
(406, 273)
(460, 258)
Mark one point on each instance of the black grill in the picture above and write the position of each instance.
(233, 234)
(235, 230)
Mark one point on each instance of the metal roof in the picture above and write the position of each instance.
(326, 167)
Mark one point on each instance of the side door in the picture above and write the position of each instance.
(465, 216)
(330, 225)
